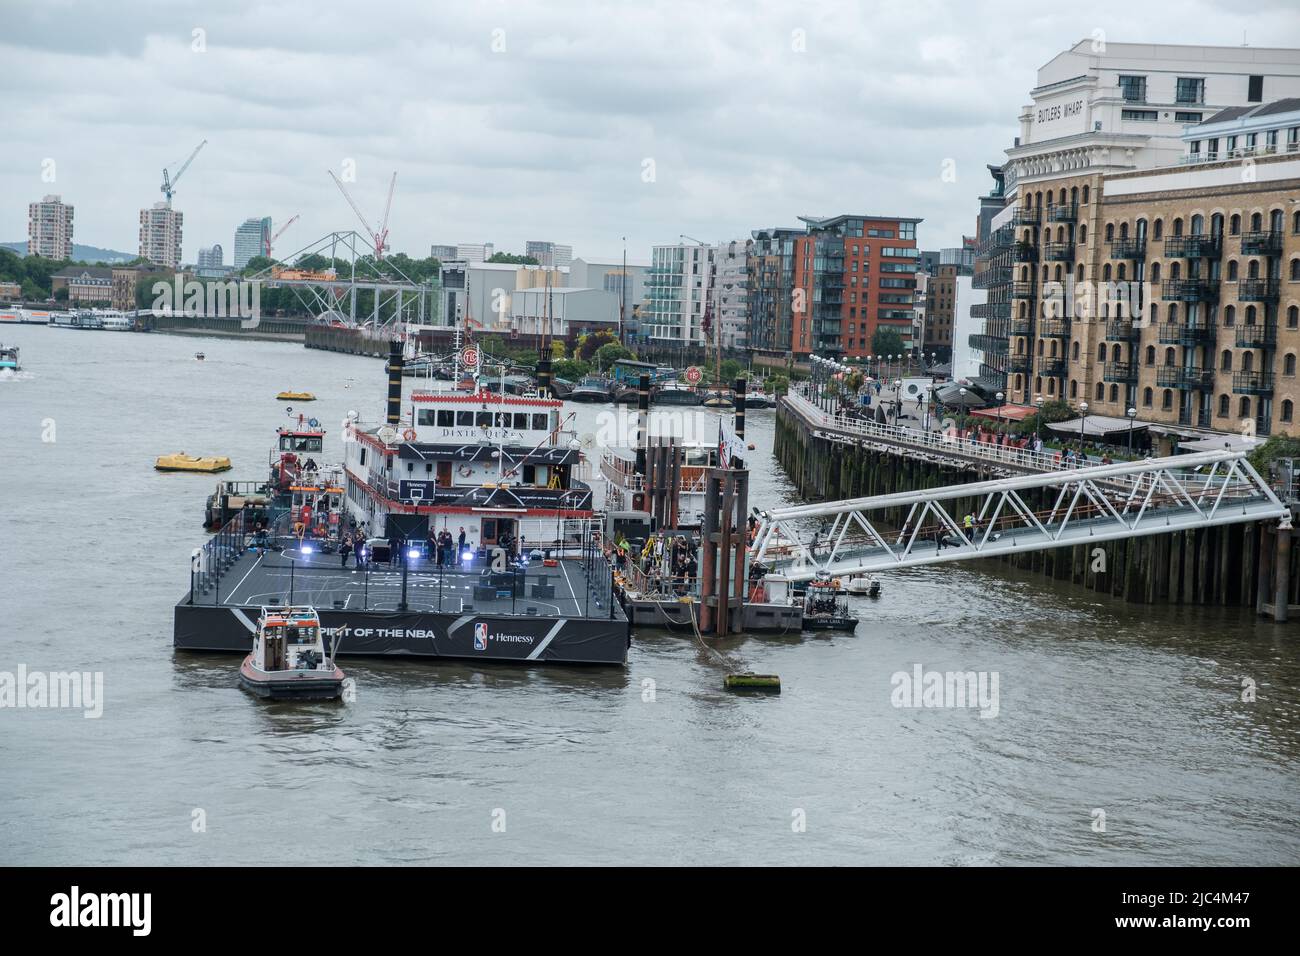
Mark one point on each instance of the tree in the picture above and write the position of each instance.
(887, 341)
(512, 259)
(589, 343)
(570, 369)
(611, 352)
(779, 383)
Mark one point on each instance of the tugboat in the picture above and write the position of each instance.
(288, 660)
(822, 609)
(675, 393)
(9, 358)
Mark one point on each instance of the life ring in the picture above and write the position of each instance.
(409, 434)
(465, 471)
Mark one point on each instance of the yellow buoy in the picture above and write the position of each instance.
(296, 397)
(184, 462)
(764, 682)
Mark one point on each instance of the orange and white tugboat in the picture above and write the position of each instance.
(288, 660)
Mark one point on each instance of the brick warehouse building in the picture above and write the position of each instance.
(827, 289)
(1149, 270)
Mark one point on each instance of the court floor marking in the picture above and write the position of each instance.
(231, 598)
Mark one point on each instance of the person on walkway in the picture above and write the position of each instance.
(460, 547)
(344, 550)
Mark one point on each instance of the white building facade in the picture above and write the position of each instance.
(251, 240)
(161, 235)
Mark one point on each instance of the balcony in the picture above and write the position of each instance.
(1022, 326)
(1024, 216)
(1001, 238)
(1065, 212)
(1201, 419)
(1054, 329)
(1129, 248)
(1188, 379)
(1122, 330)
(993, 275)
(1257, 290)
(989, 344)
(1193, 247)
(1202, 333)
(991, 310)
(1252, 383)
(1189, 290)
(1051, 367)
(1257, 336)
(1019, 363)
(1023, 290)
(1123, 373)
(1059, 251)
(1268, 243)
(1024, 252)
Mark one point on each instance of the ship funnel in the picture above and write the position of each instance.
(642, 422)
(394, 383)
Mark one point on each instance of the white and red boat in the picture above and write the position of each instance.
(502, 468)
(288, 660)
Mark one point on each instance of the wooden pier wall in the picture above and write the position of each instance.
(1217, 565)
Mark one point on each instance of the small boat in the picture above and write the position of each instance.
(719, 400)
(9, 358)
(758, 400)
(296, 397)
(183, 462)
(822, 609)
(590, 388)
(863, 584)
(675, 393)
(288, 660)
(198, 356)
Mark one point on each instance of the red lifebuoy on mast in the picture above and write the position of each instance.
(409, 434)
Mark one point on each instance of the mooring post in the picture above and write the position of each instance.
(1282, 576)
(708, 549)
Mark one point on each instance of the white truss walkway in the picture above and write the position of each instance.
(1097, 504)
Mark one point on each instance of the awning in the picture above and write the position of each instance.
(1097, 426)
(1006, 413)
(950, 394)
(1228, 441)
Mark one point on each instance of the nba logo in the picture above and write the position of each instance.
(480, 637)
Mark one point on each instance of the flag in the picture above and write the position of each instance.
(723, 449)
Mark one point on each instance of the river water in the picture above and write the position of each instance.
(1102, 707)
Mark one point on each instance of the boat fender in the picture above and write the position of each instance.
(409, 434)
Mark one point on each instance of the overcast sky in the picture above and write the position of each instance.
(539, 119)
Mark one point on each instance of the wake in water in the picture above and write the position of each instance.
(9, 375)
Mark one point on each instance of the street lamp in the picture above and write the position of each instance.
(1083, 417)
(1132, 413)
(898, 402)
(1001, 396)
(1038, 420)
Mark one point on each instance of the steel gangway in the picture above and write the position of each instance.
(1016, 514)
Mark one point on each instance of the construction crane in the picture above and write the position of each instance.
(169, 182)
(380, 236)
(270, 239)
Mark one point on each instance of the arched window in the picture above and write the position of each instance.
(1295, 270)
(1243, 408)
(1216, 224)
(1167, 399)
(1178, 226)
(1101, 352)
(1105, 272)
(1225, 360)
(1175, 271)
(1083, 234)
(1074, 389)
(1169, 356)
(1100, 392)
(1121, 272)
(1051, 386)
(1146, 397)
(1151, 355)
(1293, 317)
(1173, 313)
(1110, 231)
(1232, 270)
(1287, 410)
(1252, 270)
(1085, 199)
(1248, 361)
(1038, 385)
(1114, 393)
(1295, 223)
(1074, 350)
(1155, 272)
(1198, 224)
(1158, 229)
(1250, 315)
(1225, 403)
(1256, 223)
(1229, 315)
(1078, 273)
(1234, 225)
(1288, 364)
